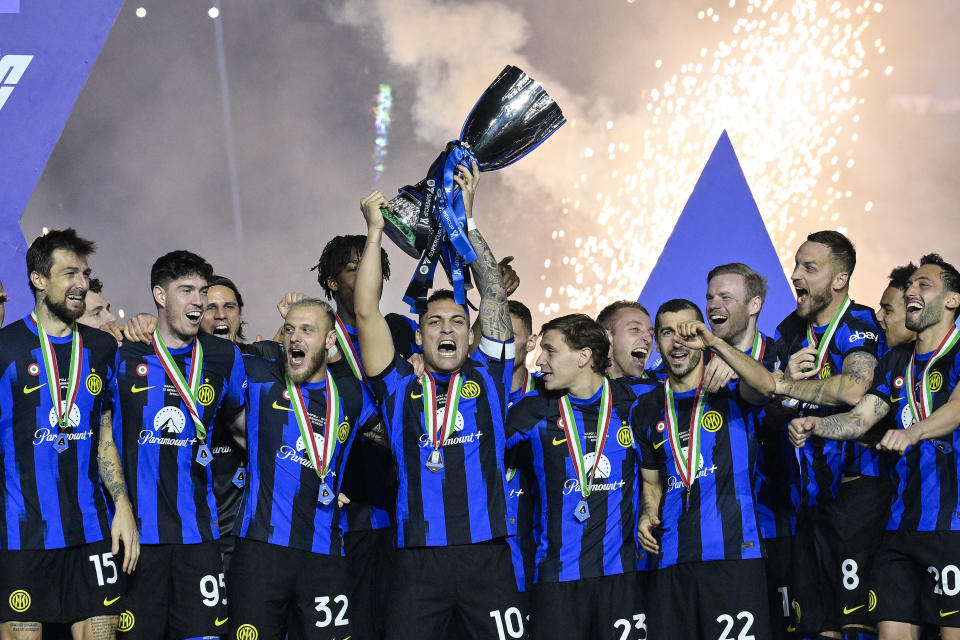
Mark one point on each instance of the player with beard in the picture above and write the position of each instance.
(60, 559)
(735, 296)
(223, 317)
(892, 312)
(572, 442)
(630, 332)
(914, 575)
(828, 350)
(697, 456)
(446, 435)
(97, 313)
(169, 394)
(370, 482)
(289, 573)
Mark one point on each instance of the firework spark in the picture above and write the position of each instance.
(381, 122)
(783, 82)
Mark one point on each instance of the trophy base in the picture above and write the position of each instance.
(400, 233)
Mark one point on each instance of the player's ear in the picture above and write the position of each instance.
(754, 305)
(331, 340)
(332, 284)
(38, 280)
(159, 296)
(584, 357)
(531, 343)
(951, 301)
(418, 338)
(840, 281)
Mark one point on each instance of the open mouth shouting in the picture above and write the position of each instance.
(296, 356)
(638, 356)
(194, 316)
(221, 329)
(717, 319)
(914, 306)
(446, 348)
(803, 295)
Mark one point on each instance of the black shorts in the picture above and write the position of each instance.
(61, 585)
(177, 591)
(717, 599)
(832, 555)
(608, 607)
(778, 564)
(369, 555)
(467, 587)
(275, 590)
(916, 578)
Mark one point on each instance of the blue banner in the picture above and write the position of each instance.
(719, 224)
(47, 48)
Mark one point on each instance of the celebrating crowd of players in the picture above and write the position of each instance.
(366, 476)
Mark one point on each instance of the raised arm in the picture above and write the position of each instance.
(938, 424)
(845, 389)
(124, 525)
(850, 425)
(494, 311)
(757, 384)
(376, 343)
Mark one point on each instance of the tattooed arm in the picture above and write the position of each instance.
(124, 526)
(844, 389)
(841, 426)
(938, 424)
(494, 311)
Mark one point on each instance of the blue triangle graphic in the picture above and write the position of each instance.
(720, 223)
(46, 53)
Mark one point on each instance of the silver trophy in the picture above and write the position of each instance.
(512, 117)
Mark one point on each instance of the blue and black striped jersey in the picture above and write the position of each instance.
(281, 501)
(371, 482)
(52, 500)
(465, 502)
(824, 462)
(520, 508)
(925, 476)
(172, 494)
(604, 544)
(717, 519)
(777, 483)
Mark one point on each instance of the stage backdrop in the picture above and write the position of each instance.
(47, 48)
(719, 224)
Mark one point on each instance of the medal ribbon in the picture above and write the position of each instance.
(759, 346)
(527, 383)
(449, 411)
(61, 410)
(186, 388)
(823, 346)
(923, 406)
(321, 460)
(569, 426)
(348, 350)
(688, 466)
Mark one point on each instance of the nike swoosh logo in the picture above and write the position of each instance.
(416, 396)
(107, 603)
(847, 611)
(559, 441)
(136, 389)
(895, 400)
(944, 614)
(791, 628)
(659, 444)
(28, 390)
(219, 623)
(281, 407)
